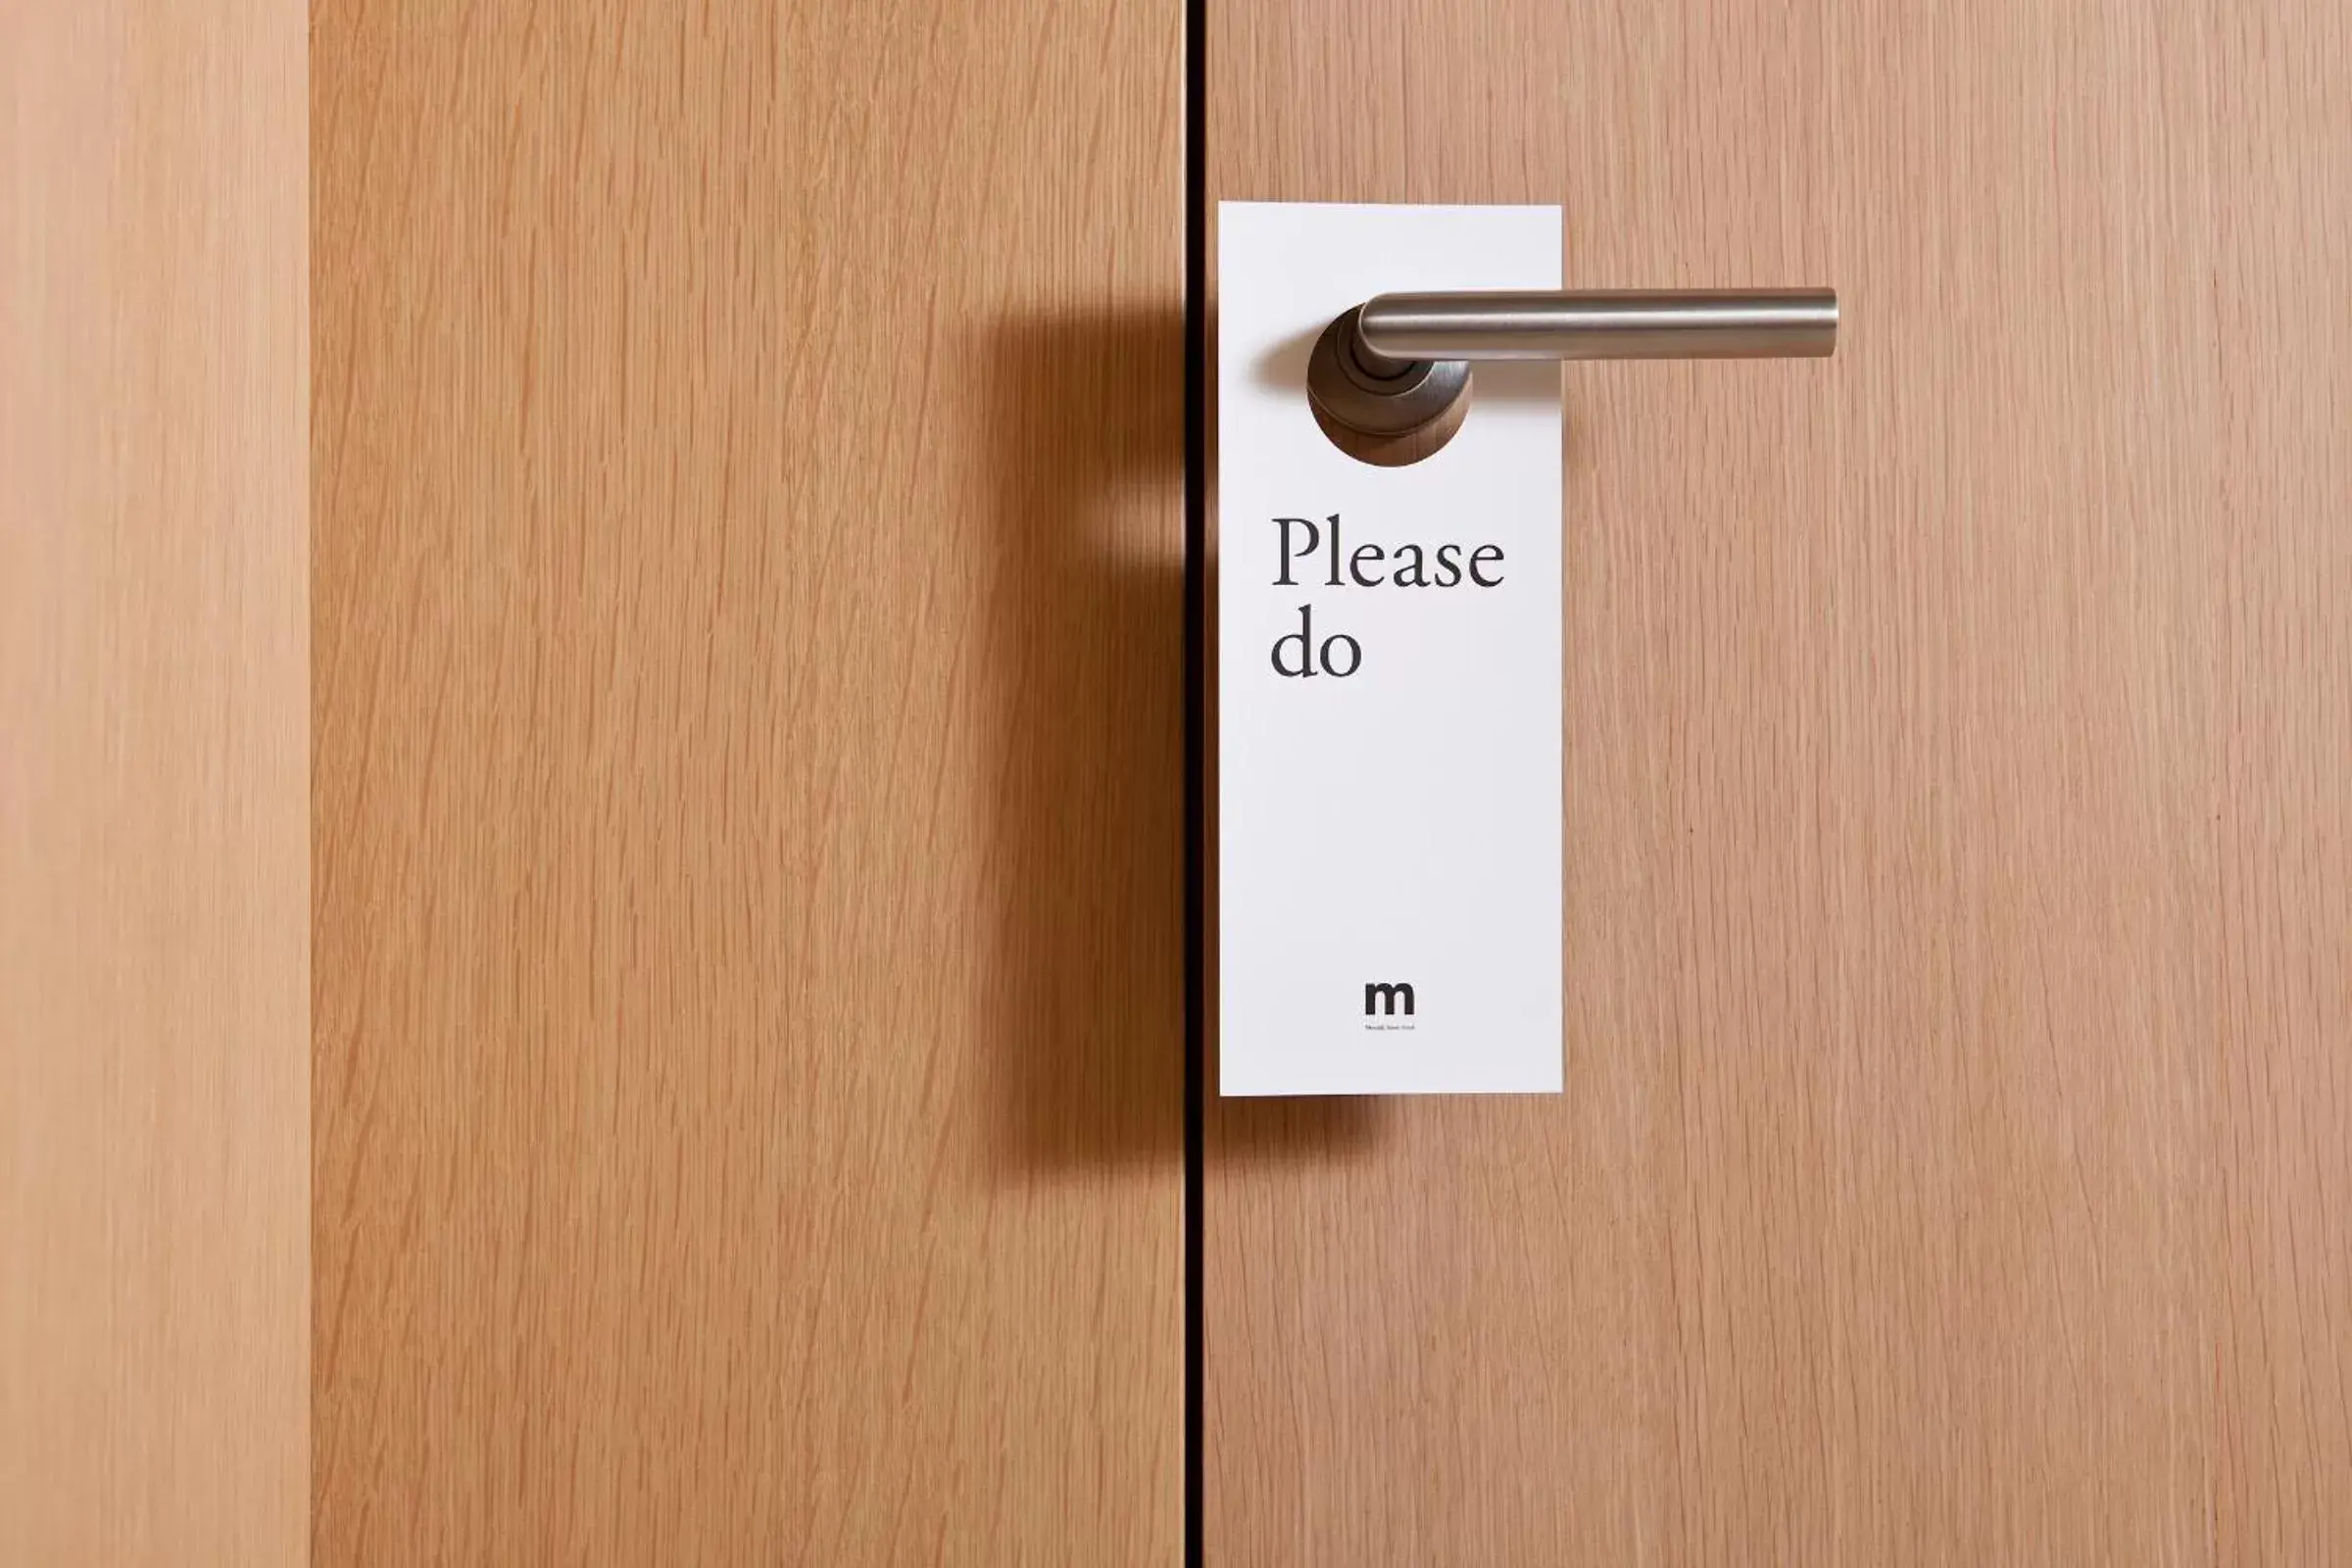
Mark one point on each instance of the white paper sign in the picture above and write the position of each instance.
(1388, 684)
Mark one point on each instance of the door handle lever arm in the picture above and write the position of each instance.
(1400, 363)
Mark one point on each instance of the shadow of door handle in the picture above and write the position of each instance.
(1400, 363)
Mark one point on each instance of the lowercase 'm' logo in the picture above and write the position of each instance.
(1386, 1000)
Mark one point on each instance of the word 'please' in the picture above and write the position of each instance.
(1406, 565)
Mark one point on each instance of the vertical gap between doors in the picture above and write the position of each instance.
(1196, 607)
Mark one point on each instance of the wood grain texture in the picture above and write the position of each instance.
(1958, 1137)
(154, 724)
(748, 792)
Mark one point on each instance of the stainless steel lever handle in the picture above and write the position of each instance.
(1398, 363)
(1395, 330)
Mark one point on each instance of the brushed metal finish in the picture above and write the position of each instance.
(1399, 364)
(1395, 330)
(1396, 398)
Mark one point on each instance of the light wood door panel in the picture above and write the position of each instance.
(1958, 1129)
(154, 725)
(748, 783)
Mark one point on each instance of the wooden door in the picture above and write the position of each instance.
(747, 601)
(1956, 1154)
(154, 779)
(676, 738)
(611, 606)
